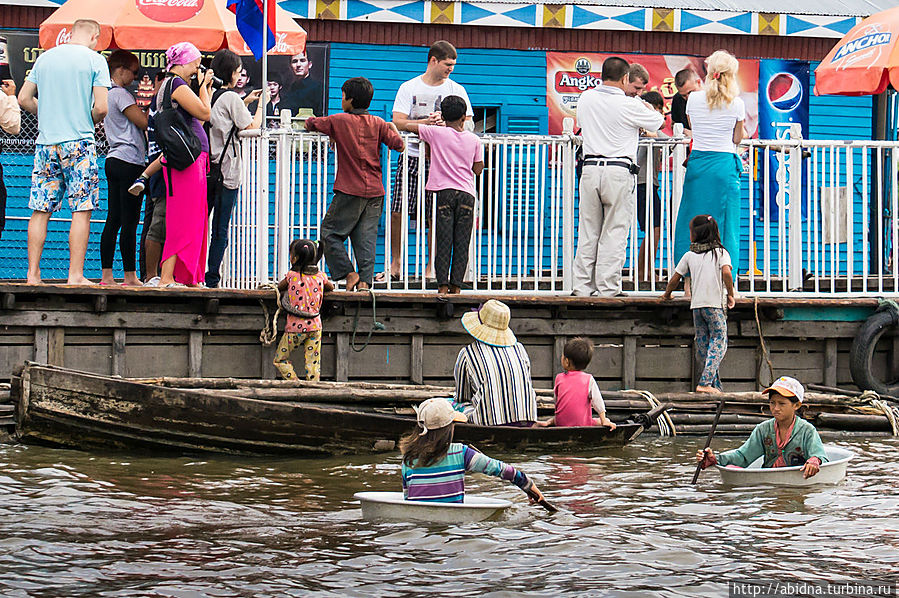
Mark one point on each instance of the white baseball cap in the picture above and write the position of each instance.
(788, 387)
(437, 413)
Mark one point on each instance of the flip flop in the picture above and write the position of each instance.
(382, 277)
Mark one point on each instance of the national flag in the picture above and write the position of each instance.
(249, 23)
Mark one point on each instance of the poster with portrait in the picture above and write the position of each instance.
(568, 74)
(298, 83)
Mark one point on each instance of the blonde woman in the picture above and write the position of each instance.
(712, 182)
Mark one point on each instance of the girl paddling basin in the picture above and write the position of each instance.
(786, 440)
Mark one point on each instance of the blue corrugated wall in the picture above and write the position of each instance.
(513, 81)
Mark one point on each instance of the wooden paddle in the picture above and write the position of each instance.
(708, 441)
(542, 502)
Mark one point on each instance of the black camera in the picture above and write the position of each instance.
(215, 80)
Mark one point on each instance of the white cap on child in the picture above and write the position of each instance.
(437, 413)
(787, 387)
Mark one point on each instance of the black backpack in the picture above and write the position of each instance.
(215, 180)
(175, 137)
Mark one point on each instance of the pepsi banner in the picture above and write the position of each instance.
(783, 102)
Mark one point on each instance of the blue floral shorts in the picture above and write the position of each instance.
(69, 169)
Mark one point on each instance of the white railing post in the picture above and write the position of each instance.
(678, 173)
(568, 185)
(262, 205)
(794, 191)
(283, 225)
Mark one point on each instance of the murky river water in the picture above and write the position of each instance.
(91, 524)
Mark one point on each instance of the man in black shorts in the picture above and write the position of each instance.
(418, 101)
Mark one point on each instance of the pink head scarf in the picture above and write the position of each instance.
(181, 53)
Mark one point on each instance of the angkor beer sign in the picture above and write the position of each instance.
(169, 11)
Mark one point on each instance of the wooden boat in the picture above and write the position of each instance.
(831, 472)
(392, 505)
(82, 410)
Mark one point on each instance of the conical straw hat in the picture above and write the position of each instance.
(490, 324)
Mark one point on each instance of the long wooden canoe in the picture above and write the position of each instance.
(81, 410)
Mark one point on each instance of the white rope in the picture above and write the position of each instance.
(269, 333)
(666, 426)
(889, 411)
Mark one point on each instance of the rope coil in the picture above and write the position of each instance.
(891, 412)
(666, 426)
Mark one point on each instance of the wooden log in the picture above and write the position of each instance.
(853, 421)
(708, 418)
(725, 429)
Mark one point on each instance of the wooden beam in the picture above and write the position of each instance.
(41, 344)
(342, 365)
(416, 357)
(195, 354)
(56, 352)
(118, 351)
(558, 352)
(830, 362)
(629, 363)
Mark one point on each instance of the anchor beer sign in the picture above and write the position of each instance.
(869, 46)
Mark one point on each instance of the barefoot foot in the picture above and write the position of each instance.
(708, 390)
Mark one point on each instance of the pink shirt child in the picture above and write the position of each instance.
(576, 392)
(453, 153)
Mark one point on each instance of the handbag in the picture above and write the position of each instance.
(215, 180)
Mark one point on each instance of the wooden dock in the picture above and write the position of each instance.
(640, 342)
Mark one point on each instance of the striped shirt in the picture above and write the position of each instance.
(444, 481)
(497, 383)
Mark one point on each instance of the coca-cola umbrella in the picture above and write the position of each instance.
(865, 60)
(157, 24)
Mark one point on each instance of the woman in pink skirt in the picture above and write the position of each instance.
(186, 219)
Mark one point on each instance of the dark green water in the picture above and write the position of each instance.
(91, 524)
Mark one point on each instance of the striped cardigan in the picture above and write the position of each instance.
(444, 481)
(497, 383)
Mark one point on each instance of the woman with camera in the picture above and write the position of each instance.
(184, 252)
(230, 115)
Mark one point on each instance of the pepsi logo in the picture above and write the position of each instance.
(784, 92)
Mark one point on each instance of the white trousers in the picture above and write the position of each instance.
(605, 211)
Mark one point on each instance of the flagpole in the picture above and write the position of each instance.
(264, 58)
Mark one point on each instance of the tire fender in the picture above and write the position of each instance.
(861, 355)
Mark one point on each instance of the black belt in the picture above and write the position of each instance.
(606, 162)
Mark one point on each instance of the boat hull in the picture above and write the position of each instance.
(392, 505)
(81, 410)
(831, 472)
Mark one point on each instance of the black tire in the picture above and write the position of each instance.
(862, 353)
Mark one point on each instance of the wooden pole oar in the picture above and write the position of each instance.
(542, 502)
(708, 441)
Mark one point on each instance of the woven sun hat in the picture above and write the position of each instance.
(490, 324)
(787, 387)
(437, 413)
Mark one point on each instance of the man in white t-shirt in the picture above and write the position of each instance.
(610, 123)
(418, 102)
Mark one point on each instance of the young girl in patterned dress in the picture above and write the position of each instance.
(305, 286)
(709, 268)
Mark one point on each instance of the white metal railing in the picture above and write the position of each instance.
(826, 229)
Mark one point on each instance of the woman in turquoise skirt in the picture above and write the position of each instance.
(712, 182)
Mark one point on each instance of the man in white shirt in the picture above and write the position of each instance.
(418, 102)
(610, 123)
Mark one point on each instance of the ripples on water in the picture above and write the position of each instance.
(87, 524)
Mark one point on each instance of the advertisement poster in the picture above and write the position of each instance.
(295, 82)
(783, 101)
(568, 74)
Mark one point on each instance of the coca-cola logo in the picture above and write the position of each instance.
(63, 37)
(169, 11)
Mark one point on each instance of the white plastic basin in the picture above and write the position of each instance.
(392, 505)
(831, 472)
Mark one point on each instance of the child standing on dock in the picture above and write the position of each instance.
(786, 440)
(434, 466)
(305, 286)
(358, 200)
(576, 391)
(457, 156)
(709, 268)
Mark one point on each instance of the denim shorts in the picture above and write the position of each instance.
(69, 169)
